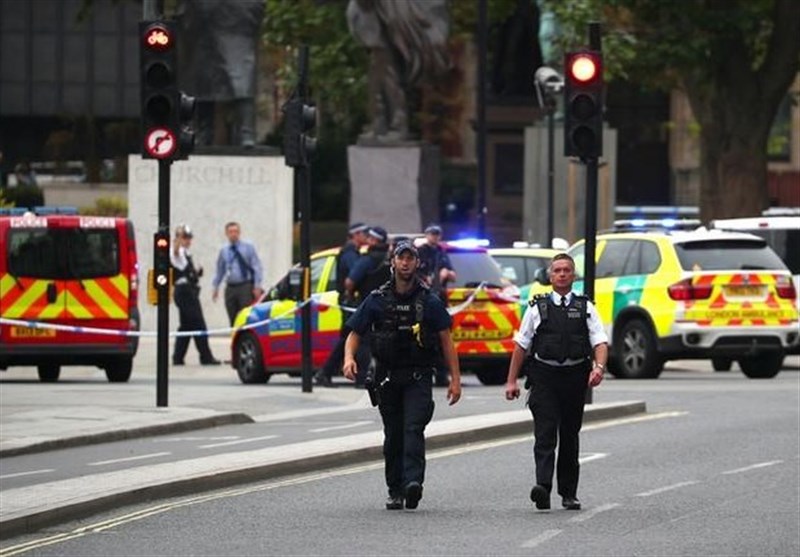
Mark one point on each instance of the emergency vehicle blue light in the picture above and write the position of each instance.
(668, 223)
(470, 243)
(13, 211)
(55, 210)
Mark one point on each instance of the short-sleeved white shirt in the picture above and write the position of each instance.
(532, 320)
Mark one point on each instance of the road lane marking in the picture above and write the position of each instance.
(127, 459)
(666, 488)
(632, 420)
(292, 481)
(592, 512)
(748, 468)
(195, 438)
(343, 426)
(29, 473)
(238, 442)
(541, 538)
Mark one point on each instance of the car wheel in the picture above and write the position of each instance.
(763, 366)
(249, 360)
(48, 373)
(721, 364)
(119, 371)
(492, 376)
(636, 356)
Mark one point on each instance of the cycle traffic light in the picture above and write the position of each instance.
(167, 112)
(299, 118)
(583, 104)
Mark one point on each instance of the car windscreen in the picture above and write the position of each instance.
(53, 253)
(726, 255)
(473, 268)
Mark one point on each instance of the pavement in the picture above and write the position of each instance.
(83, 408)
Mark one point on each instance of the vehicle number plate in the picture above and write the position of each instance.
(31, 332)
(744, 290)
(460, 334)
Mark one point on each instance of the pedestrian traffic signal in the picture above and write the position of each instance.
(166, 111)
(161, 260)
(583, 104)
(186, 110)
(299, 118)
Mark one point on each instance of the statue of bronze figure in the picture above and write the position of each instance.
(407, 41)
(220, 43)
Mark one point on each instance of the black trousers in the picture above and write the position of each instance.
(237, 297)
(406, 409)
(556, 400)
(190, 317)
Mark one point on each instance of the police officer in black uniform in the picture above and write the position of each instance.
(187, 297)
(407, 326)
(568, 354)
(348, 256)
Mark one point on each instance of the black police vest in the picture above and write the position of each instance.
(399, 340)
(563, 333)
(188, 272)
(380, 271)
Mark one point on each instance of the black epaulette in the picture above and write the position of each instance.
(532, 302)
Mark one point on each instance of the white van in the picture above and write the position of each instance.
(781, 229)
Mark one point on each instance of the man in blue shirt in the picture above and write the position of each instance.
(238, 264)
(407, 327)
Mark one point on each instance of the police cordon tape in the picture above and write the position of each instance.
(213, 332)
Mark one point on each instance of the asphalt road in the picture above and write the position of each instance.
(713, 469)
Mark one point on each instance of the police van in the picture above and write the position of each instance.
(780, 227)
(68, 292)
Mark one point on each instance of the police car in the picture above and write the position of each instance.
(485, 309)
(666, 295)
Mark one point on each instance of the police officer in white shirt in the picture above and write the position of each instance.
(568, 354)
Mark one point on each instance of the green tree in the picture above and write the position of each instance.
(736, 60)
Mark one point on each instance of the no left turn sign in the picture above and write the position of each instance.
(160, 143)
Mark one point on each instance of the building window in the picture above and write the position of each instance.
(508, 168)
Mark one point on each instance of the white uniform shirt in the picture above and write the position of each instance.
(531, 321)
(180, 262)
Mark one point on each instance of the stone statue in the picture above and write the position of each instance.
(549, 33)
(219, 43)
(407, 41)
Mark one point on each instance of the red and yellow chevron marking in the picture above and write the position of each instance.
(743, 308)
(85, 299)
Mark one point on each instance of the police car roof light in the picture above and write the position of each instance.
(55, 210)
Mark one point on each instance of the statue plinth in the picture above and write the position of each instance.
(394, 185)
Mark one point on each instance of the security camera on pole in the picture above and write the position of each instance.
(548, 84)
(167, 136)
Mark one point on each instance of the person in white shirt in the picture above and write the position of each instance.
(565, 348)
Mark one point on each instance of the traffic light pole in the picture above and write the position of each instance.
(162, 331)
(302, 177)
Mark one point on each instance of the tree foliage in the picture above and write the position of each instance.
(734, 58)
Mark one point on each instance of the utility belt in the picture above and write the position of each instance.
(535, 365)
(405, 375)
(235, 284)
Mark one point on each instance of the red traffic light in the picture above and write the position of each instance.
(583, 68)
(157, 37)
(162, 243)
